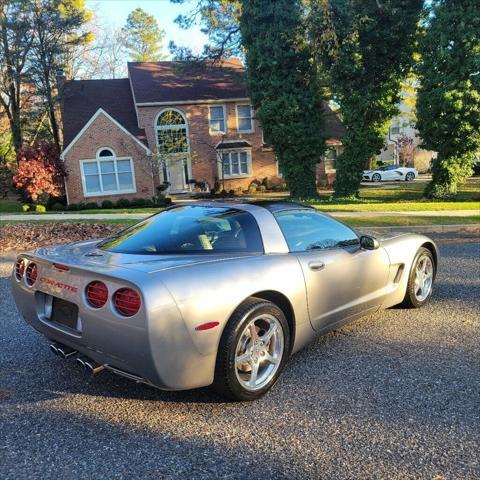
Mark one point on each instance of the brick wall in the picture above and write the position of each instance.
(102, 132)
(202, 143)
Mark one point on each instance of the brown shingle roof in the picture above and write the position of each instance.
(82, 98)
(174, 82)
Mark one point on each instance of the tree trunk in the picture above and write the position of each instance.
(51, 111)
(350, 167)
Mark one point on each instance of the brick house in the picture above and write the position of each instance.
(122, 137)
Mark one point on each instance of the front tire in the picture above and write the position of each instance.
(252, 351)
(420, 281)
(376, 177)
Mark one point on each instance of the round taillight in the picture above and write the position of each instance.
(32, 272)
(96, 293)
(19, 268)
(127, 302)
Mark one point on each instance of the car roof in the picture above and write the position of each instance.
(277, 206)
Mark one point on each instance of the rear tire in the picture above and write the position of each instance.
(410, 177)
(420, 280)
(376, 177)
(253, 350)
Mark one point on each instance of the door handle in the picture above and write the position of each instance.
(315, 266)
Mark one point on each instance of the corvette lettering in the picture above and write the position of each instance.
(54, 283)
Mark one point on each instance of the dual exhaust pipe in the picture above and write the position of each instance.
(91, 366)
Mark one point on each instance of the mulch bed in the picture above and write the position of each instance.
(27, 236)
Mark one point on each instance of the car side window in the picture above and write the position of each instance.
(306, 230)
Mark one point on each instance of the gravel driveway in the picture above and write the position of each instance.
(395, 395)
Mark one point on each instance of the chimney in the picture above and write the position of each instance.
(60, 79)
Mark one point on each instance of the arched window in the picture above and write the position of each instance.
(106, 152)
(107, 174)
(172, 132)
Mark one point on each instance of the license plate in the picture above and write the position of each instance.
(61, 311)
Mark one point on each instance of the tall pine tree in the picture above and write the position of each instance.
(448, 103)
(283, 88)
(367, 48)
(143, 37)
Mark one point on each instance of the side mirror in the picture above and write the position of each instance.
(369, 243)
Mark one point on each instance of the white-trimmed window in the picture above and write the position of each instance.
(172, 132)
(217, 120)
(107, 174)
(244, 118)
(236, 163)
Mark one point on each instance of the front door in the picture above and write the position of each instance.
(343, 283)
(176, 176)
(342, 280)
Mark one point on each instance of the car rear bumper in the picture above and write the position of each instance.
(153, 346)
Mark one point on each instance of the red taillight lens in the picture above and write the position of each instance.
(32, 272)
(126, 301)
(19, 268)
(96, 294)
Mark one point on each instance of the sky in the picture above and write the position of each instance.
(115, 12)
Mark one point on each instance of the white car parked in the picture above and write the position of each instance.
(389, 173)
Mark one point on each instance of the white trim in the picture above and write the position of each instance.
(251, 130)
(191, 102)
(219, 132)
(178, 155)
(221, 175)
(133, 96)
(99, 112)
(97, 153)
(111, 192)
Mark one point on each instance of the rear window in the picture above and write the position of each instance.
(190, 229)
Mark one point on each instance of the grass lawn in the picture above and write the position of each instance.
(119, 221)
(10, 206)
(400, 196)
(397, 207)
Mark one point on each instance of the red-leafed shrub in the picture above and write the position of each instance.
(40, 172)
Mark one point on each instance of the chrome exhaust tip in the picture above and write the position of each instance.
(54, 348)
(65, 352)
(93, 367)
(81, 361)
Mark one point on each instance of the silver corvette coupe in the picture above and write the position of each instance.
(215, 294)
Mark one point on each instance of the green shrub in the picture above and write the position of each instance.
(82, 206)
(231, 192)
(91, 206)
(123, 203)
(138, 202)
(58, 207)
(107, 204)
(217, 186)
(73, 207)
(25, 208)
(262, 188)
(40, 208)
(266, 183)
(149, 202)
(163, 201)
(252, 188)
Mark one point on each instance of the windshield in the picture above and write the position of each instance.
(190, 230)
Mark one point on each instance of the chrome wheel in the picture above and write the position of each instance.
(376, 177)
(423, 278)
(259, 352)
(410, 177)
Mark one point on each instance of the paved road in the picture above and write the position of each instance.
(395, 395)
